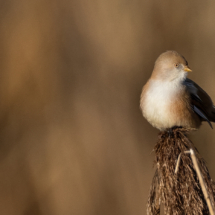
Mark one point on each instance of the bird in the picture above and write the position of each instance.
(169, 99)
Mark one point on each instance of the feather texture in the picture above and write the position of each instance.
(200, 101)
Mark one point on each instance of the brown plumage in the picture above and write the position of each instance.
(170, 99)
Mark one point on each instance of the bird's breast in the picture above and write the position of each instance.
(164, 104)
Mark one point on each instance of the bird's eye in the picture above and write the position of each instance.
(176, 65)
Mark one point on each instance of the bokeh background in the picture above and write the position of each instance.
(72, 137)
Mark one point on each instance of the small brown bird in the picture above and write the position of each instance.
(169, 99)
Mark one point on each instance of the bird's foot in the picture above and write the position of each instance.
(170, 131)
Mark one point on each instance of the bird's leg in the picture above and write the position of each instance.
(170, 132)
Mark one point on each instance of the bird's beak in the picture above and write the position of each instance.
(187, 69)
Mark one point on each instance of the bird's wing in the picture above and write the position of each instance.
(200, 101)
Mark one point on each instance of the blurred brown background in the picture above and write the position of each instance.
(72, 139)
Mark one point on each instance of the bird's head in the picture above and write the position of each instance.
(170, 66)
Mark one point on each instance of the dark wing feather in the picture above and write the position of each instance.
(202, 115)
(201, 102)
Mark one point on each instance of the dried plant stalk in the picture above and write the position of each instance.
(202, 182)
(179, 193)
